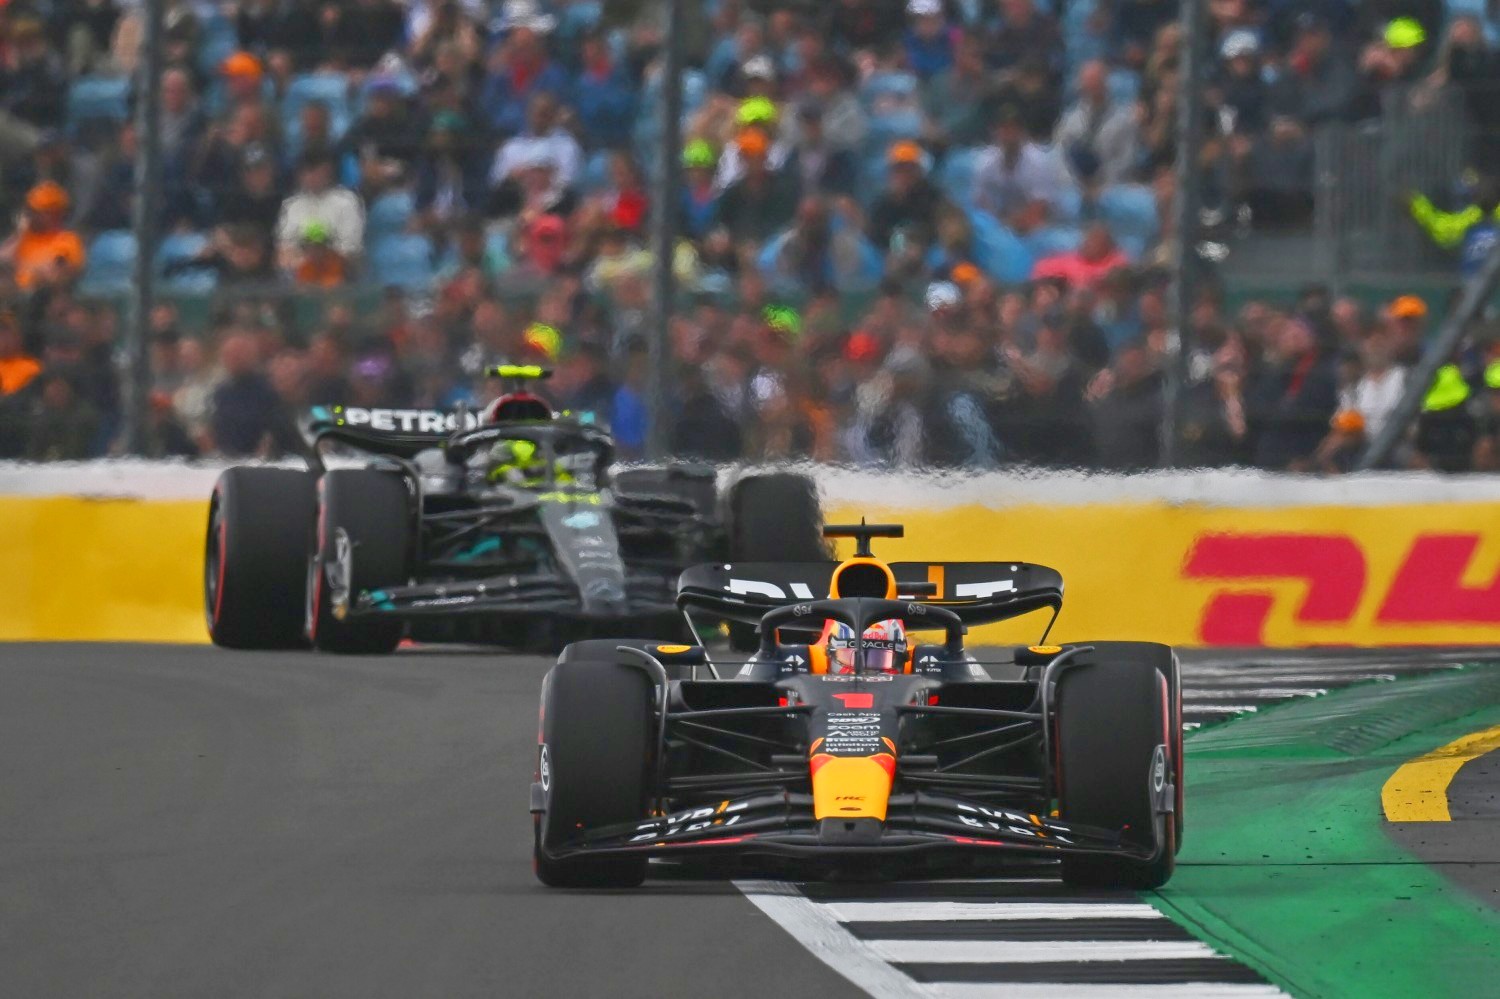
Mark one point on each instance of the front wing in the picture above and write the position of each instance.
(647, 594)
(781, 825)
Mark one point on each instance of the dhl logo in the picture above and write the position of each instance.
(1432, 584)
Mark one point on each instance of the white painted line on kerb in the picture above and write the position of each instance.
(1219, 709)
(1034, 951)
(1269, 693)
(1039, 990)
(815, 928)
(904, 911)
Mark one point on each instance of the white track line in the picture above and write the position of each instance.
(1039, 990)
(1033, 951)
(814, 927)
(1243, 693)
(900, 911)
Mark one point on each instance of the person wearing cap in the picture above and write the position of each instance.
(1318, 81)
(699, 199)
(903, 217)
(753, 116)
(243, 76)
(928, 40)
(763, 199)
(1397, 58)
(1241, 84)
(518, 68)
(386, 138)
(43, 251)
(757, 78)
(319, 264)
(1447, 431)
(1471, 230)
(319, 199)
(1098, 124)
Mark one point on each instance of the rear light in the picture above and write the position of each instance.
(783, 701)
(932, 699)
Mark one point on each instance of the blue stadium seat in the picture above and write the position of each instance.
(956, 174)
(185, 246)
(389, 215)
(98, 98)
(403, 262)
(997, 250)
(1124, 85)
(110, 267)
(220, 39)
(595, 172)
(331, 89)
(1130, 212)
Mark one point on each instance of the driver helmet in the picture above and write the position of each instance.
(885, 647)
(518, 406)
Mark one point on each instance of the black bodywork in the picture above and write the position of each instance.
(968, 744)
(566, 551)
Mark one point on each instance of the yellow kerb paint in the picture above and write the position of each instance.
(1418, 790)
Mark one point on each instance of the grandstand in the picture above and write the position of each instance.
(966, 206)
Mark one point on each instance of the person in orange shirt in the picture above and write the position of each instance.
(42, 251)
(321, 266)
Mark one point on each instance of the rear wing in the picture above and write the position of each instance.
(400, 433)
(978, 592)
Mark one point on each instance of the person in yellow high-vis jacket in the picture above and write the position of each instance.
(1471, 230)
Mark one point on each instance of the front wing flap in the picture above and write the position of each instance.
(507, 594)
(781, 824)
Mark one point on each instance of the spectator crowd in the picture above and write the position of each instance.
(913, 232)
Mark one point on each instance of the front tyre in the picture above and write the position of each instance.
(1115, 714)
(255, 557)
(362, 543)
(594, 761)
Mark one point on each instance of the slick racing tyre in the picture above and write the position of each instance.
(255, 558)
(1114, 710)
(598, 741)
(362, 543)
(773, 518)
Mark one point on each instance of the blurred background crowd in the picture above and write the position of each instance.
(914, 232)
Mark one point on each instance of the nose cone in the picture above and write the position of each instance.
(852, 787)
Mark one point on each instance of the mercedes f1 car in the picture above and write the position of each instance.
(865, 752)
(511, 527)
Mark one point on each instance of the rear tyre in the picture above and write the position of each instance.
(364, 531)
(594, 761)
(255, 558)
(1114, 709)
(773, 518)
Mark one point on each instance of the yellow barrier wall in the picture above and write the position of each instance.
(130, 570)
(106, 569)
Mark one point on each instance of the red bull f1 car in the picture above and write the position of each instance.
(881, 744)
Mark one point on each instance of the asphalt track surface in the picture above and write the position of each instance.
(187, 821)
(184, 821)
